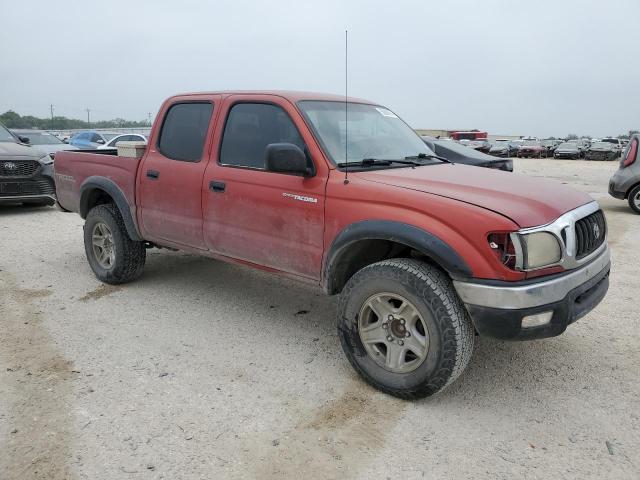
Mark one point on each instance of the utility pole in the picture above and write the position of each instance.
(51, 107)
(88, 118)
(149, 114)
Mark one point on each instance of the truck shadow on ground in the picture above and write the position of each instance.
(518, 368)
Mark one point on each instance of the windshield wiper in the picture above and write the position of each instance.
(428, 155)
(367, 162)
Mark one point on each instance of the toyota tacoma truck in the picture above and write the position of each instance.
(341, 193)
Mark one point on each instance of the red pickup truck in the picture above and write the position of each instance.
(343, 194)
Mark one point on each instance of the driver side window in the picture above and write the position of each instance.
(250, 128)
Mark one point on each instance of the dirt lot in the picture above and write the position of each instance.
(206, 370)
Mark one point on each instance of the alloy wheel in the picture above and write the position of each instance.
(393, 332)
(103, 247)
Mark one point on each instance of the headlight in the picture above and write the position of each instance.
(46, 160)
(540, 249)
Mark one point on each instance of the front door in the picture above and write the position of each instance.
(271, 219)
(170, 178)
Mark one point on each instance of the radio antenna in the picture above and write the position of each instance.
(346, 103)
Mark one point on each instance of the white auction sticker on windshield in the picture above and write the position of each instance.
(386, 113)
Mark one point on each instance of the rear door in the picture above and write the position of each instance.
(271, 219)
(170, 177)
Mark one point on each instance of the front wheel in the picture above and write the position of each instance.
(404, 329)
(634, 199)
(112, 255)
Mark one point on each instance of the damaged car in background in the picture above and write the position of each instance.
(602, 151)
(532, 149)
(568, 150)
(457, 153)
(503, 149)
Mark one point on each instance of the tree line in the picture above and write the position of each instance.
(12, 119)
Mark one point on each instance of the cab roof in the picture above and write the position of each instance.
(291, 95)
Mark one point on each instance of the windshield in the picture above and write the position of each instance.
(601, 145)
(531, 144)
(40, 138)
(610, 140)
(372, 132)
(568, 145)
(5, 135)
(110, 136)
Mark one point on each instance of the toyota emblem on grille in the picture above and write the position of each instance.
(596, 231)
(10, 166)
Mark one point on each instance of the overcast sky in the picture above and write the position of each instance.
(505, 66)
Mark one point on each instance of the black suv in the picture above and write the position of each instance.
(26, 173)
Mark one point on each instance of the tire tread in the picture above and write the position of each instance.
(133, 252)
(457, 329)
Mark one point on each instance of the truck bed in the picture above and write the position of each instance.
(75, 168)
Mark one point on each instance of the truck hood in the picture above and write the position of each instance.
(17, 151)
(528, 201)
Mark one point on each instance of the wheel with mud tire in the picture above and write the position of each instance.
(112, 255)
(403, 328)
(634, 199)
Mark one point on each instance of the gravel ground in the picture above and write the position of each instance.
(206, 370)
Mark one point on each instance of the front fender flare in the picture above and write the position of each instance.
(416, 238)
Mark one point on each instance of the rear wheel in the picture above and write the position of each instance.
(403, 328)
(112, 255)
(634, 199)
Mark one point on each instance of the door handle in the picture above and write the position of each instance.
(153, 174)
(217, 186)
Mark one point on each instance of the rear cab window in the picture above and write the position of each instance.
(184, 131)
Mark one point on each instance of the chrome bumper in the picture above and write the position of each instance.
(530, 295)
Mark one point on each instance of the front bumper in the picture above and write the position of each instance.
(36, 187)
(600, 156)
(530, 154)
(619, 194)
(623, 180)
(498, 308)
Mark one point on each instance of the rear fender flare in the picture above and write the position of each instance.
(91, 184)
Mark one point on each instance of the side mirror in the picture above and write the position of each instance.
(100, 141)
(23, 139)
(287, 158)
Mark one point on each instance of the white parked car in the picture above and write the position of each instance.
(616, 142)
(125, 137)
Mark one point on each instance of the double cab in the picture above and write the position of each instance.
(342, 194)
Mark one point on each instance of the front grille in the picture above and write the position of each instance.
(590, 234)
(18, 189)
(18, 168)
